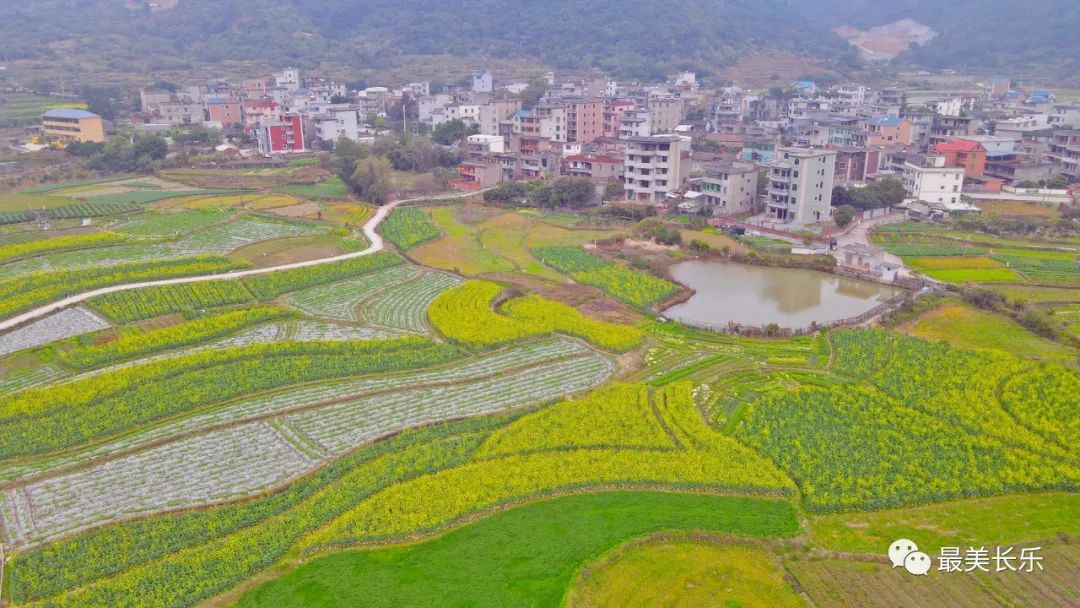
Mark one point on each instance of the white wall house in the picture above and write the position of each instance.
(655, 165)
(933, 182)
(800, 184)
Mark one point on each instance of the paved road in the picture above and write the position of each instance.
(369, 231)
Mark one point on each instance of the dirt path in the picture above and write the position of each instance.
(369, 231)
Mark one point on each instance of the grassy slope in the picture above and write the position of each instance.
(966, 327)
(522, 557)
(980, 521)
(685, 574)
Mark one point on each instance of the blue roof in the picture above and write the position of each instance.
(999, 79)
(884, 121)
(523, 114)
(804, 84)
(68, 113)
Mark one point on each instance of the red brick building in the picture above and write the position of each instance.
(963, 154)
(281, 137)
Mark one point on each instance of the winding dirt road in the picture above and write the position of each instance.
(369, 230)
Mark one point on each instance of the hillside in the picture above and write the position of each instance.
(632, 38)
(1042, 35)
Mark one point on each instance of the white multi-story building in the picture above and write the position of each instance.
(654, 166)
(482, 82)
(635, 123)
(932, 182)
(481, 144)
(289, 78)
(1065, 116)
(339, 120)
(800, 184)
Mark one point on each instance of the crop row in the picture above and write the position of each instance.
(84, 258)
(41, 420)
(137, 304)
(308, 395)
(244, 459)
(211, 467)
(345, 425)
(60, 243)
(74, 210)
(405, 306)
(339, 300)
(314, 331)
(630, 285)
(407, 227)
(25, 292)
(431, 501)
(244, 231)
(615, 416)
(178, 559)
(133, 343)
(272, 285)
(465, 314)
(57, 326)
(929, 250)
(17, 380)
(831, 441)
(171, 223)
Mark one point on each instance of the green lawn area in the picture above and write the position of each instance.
(686, 573)
(976, 522)
(19, 201)
(460, 250)
(328, 188)
(1036, 295)
(526, 556)
(966, 327)
(974, 275)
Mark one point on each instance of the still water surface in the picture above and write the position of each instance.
(759, 295)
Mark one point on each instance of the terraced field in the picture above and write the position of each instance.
(370, 431)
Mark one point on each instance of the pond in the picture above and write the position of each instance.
(759, 295)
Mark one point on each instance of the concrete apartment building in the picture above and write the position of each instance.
(584, 120)
(665, 113)
(68, 125)
(728, 188)
(800, 184)
(1065, 150)
(965, 154)
(224, 111)
(338, 121)
(491, 115)
(655, 165)
(281, 137)
(931, 181)
(635, 123)
(888, 131)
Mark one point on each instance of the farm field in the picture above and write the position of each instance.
(548, 539)
(967, 327)
(690, 572)
(489, 409)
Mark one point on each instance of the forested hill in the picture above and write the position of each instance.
(980, 34)
(632, 38)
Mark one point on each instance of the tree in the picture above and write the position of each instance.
(533, 93)
(150, 146)
(886, 192)
(346, 153)
(614, 190)
(452, 131)
(373, 179)
(507, 193)
(573, 192)
(843, 215)
(339, 98)
(842, 196)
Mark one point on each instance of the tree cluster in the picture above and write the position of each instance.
(121, 155)
(453, 131)
(573, 192)
(880, 193)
